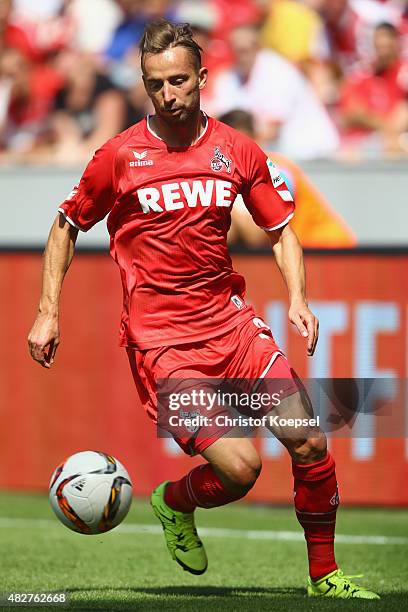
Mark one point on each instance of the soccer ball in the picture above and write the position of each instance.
(90, 492)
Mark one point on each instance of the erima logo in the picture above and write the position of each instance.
(141, 159)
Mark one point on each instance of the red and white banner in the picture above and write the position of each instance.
(88, 400)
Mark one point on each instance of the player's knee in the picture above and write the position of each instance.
(311, 450)
(244, 471)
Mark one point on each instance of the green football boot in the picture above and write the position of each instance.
(336, 584)
(181, 534)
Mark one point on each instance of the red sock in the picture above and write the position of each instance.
(316, 502)
(200, 487)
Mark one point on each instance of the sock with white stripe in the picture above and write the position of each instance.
(316, 501)
(200, 487)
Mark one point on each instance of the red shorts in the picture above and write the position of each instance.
(246, 353)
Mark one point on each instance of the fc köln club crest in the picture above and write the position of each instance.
(219, 160)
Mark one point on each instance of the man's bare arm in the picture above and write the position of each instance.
(44, 338)
(289, 257)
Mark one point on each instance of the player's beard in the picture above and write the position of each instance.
(181, 118)
(186, 114)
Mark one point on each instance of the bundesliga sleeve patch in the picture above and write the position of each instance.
(278, 180)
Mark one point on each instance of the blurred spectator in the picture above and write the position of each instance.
(203, 17)
(315, 223)
(213, 21)
(95, 22)
(349, 27)
(135, 15)
(402, 24)
(326, 40)
(286, 109)
(43, 10)
(372, 97)
(306, 46)
(158, 9)
(128, 75)
(27, 92)
(216, 53)
(11, 35)
(307, 38)
(88, 110)
(45, 23)
(235, 14)
(137, 104)
(129, 30)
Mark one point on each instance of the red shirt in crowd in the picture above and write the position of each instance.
(15, 38)
(44, 83)
(375, 92)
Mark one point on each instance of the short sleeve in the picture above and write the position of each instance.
(94, 197)
(265, 192)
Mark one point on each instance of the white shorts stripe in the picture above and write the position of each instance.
(270, 363)
(266, 370)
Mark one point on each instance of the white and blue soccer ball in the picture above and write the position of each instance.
(91, 492)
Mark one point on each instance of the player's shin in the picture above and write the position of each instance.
(316, 501)
(201, 487)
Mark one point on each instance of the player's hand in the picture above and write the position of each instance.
(307, 324)
(43, 339)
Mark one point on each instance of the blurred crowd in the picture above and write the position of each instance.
(321, 78)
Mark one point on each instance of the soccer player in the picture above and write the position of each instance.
(168, 183)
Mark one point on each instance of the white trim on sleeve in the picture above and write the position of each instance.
(285, 195)
(275, 227)
(70, 221)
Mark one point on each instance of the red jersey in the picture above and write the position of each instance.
(44, 85)
(16, 38)
(376, 92)
(169, 214)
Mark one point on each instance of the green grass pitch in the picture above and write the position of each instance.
(130, 569)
